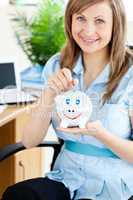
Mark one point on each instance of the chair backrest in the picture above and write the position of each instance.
(131, 46)
(11, 149)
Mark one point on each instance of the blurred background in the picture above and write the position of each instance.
(12, 10)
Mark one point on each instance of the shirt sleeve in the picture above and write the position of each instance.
(130, 103)
(129, 93)
(52, 66)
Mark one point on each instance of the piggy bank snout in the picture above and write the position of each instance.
(71, 110)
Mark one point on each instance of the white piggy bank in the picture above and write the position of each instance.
(74, 109)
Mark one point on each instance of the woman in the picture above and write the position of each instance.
(96, 55)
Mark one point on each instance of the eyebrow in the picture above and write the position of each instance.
(94, 17)
(99, 16)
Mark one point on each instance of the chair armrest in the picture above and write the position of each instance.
(11, 149)
(131, 46)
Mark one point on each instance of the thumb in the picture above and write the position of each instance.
(75, 82)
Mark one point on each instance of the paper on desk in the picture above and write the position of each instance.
(2, 108)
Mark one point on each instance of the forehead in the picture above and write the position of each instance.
(101, 8)
(73, 96)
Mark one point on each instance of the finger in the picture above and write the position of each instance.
(63, 80)
(88, 124)
(56, 84)
(75, 81)
(67, 73)
(65, 129)
(73, 130)
(91, 127)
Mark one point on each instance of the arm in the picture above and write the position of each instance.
(122, 147)
(36, 128)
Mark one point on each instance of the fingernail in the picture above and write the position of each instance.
(76, 81)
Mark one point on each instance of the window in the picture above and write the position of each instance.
(129, 9)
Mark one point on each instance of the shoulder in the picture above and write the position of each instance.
(129, 74)
(128, 88)
(53, 60)
(124, 88)
(127, 81)
(130, 80)
(51, 66)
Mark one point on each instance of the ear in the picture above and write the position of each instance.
(58, 99)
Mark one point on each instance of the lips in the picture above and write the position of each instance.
(88, 40)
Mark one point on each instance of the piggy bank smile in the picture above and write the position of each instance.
(72, 115)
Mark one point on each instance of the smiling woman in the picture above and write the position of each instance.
(95, 162)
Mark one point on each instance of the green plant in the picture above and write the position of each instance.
(44, 35)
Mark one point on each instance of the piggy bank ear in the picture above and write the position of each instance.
(58, 99)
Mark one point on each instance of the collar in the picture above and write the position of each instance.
(79, 69)
(103, 76)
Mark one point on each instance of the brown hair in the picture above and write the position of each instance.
(119, 53)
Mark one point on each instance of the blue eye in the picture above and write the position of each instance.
(77, 101)
(80, 18)
(68, 101)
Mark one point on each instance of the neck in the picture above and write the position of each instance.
(95, 62)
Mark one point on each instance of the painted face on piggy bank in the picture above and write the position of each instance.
(74, 109)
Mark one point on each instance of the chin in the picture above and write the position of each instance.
(90, 50)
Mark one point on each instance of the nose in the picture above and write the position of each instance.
(71, 110)
(89, 29)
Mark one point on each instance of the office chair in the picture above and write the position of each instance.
(11, 149)
(131, 47)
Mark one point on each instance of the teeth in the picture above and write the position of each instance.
(89, 40)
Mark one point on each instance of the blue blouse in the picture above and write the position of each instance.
(97, 178)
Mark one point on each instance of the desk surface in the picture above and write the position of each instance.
(18, 167)
(11, 112)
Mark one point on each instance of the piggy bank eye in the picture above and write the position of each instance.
(77, 101)
(68, 101)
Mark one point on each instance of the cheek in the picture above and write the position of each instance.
(106, 34)
(75, 30)
(108, 31)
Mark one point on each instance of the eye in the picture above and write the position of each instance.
(77, 101)
(80, 18)
(68, 101)
(100, 21)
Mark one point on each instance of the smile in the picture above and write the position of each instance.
(72, 118)
(89, 41)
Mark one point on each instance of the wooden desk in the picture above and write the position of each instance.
(23, 165)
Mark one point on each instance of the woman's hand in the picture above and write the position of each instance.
(92, 129)
(61, 81)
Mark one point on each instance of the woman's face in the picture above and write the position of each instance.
(92, 29)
